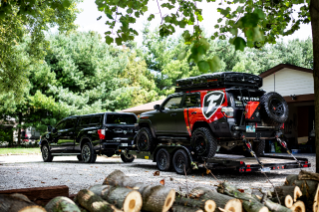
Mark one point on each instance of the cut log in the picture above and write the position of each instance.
(156, 198)
(287, 201)
(40, 195)
(293, 191)
(61, 204)
(9, 203)
(123, 198)
(33, 208)
(305, 175)
(250, 204)
(315, 206)
(307, 187)
(298, 206)
(94, 203)
(272, 206)
(206, 205)
(198, 192)
(179, 208)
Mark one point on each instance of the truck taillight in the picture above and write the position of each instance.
(101, 133)
(282, 126)
(228, 112)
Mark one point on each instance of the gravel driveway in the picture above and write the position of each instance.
(26, 171)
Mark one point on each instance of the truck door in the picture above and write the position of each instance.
(190, 102)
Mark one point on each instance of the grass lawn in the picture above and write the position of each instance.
(19, 150)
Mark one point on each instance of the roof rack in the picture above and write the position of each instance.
(217, 80)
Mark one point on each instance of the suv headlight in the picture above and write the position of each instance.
(228, 112)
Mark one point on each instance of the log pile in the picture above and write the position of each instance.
(122, 193)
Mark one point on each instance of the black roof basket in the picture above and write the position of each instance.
(218, 80)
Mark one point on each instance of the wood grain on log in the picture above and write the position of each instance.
(94, 203)
(315, 206)
(305, 175)
(206, 205)
(179, 208)
(33, 208)
(40, 195)
(293, 191)
(61, 204)
(10, 203)
(298, 206)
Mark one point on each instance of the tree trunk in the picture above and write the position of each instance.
(94, 203)
(123, 198)
(61, 204)
(19, 129)
(179, 208)
(293, 191)
(206, 205)
(314, 15)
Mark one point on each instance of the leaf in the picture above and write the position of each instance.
(241, 190)
(151, 17)
(42, 182)
(203, 66)
(239, 43)
(157, 173)
(99, 18)
(214, 63)
(109, 16)
(162, 182)
(208, 171)
(182, 55)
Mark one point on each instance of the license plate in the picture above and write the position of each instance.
(250, 128)
(124, 144)
(265, 169)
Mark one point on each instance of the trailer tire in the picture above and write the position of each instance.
(181, 162)
(144, 139)
(127, 158)
(163, 160)
(274, 109)
(258, 148)
(203, 142)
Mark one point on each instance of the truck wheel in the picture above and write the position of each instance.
(144, 139)
(274, 109)
(181, 162)
(163, 160)
(203, 142)
(46, 153)
(258, 148)
(87, 153)
(79, 157)
(127, 158)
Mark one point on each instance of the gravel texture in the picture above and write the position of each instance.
(27, 171)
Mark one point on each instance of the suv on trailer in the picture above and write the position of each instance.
(211, 110)
(89, 135)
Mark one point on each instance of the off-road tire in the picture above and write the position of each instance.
(163, 160)
(87, 153)
(181, 162)
(79, 157)
(46, 153)
(258, 147)
(274, 109)
(203, 143)
(94, 158)
(144, 139)
(127, 158)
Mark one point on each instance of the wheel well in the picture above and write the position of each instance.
(144, 125)
(83, 141)
(201, 124)
(44, 142)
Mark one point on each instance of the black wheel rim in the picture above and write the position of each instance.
(142, 142)
(276, 107)
(180, 163)
(86, 153)
(45, 153)
(200, 144)
(162, 160)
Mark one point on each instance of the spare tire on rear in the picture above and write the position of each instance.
(274, 109)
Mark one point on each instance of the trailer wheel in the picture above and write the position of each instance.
(163, 160)
(144, 139)
(258, 148)
(181, 162)
(203, 142)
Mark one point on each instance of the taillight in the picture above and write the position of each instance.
(282, 126)
(228, 112)
(101, 133)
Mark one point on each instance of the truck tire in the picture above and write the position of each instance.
(144, 139)
(181, 162)
(87, 153)
(127, 158)
(258, 148)
(203, 143)
(163, 160)
(46, 153)
(274, 109)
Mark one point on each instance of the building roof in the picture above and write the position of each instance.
(143, 108)
(282, 66)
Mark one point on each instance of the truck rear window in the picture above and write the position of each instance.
(120, 119)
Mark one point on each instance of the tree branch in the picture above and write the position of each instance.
(160, 12)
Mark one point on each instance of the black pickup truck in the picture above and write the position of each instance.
(89, 135)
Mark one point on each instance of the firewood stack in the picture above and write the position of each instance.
(122, 193)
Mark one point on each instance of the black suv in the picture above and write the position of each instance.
(88, 135)
(212, 110)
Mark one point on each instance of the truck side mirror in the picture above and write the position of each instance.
(157, 107)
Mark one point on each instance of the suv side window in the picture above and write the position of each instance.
(192, 100)
(70, 123)
(61, 125)
(85, 121)
(95, 120)
(173, 103)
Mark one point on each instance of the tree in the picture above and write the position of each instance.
(252, 23)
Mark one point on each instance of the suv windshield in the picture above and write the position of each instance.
(120, 119)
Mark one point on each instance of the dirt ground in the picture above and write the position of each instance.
(25, 171)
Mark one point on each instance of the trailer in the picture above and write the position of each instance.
(182, 160)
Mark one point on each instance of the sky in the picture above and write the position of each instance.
(87, 20)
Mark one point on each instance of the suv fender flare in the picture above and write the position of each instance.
(147, 123)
